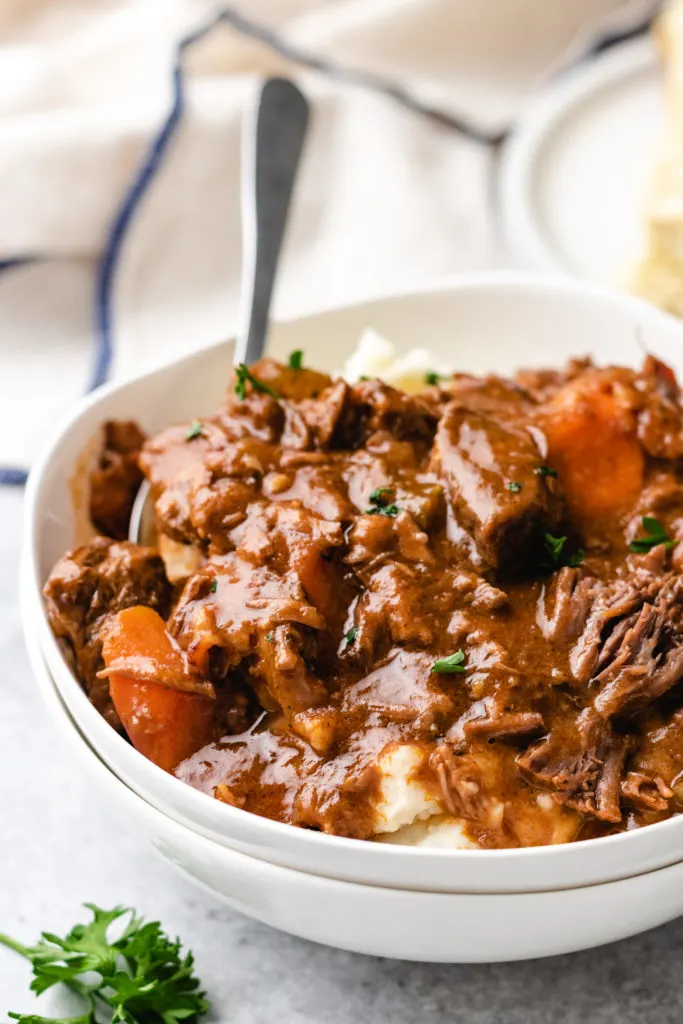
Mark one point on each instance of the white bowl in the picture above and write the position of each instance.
(432, 926)
(482, 322)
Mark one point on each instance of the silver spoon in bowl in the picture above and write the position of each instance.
(269, 167)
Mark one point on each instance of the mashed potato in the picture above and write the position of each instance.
(406, 813)
(375, 356)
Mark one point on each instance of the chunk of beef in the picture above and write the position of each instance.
(660, 419)
(115, 480)
(583, 766)
(262, 622)
(203, 484)
(631, 650)
(491, 720)
(85, 588)
(372, 406)
(564, 605)
(480, 458)
(645, 792)
(401, 689)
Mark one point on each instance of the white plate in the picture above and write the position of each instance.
(477, 323)
(575, 174)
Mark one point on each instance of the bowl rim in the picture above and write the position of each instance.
(265, 830)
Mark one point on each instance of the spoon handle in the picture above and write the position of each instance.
(269, 170)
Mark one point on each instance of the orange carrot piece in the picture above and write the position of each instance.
(592, 443)
(164, 724)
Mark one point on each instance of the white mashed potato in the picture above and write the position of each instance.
(375, 356)
(406, 813)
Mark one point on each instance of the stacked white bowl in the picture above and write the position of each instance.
(388, 900)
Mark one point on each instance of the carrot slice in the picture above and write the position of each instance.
(166, 725)
(593, 445)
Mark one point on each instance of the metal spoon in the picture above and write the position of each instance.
(269, 168)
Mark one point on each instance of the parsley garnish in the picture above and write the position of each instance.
(576, 559)
(545, 471)
(194, 430)
(270, 638)
(351, 635)
(432, 378)
(214, 586)
(453, 663)
(139, 978)
(296, 359)
(379, 503)
(515, 486)
(656, 535)
(555, 555)
(244, 374)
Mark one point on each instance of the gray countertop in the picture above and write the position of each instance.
(60, 848)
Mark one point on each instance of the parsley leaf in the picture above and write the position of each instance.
(213, 586)
(453, 663)
(545, 471)
(383, 510)
(244, 374)
(380, 503)
(656, 534)
(555, 555)
(141, 977)
(432, 378)
(351, 635)
(296, 359)
(515, 486)
(195, 430)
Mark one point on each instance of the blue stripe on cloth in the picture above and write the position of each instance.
(12, 476)
(143, 178)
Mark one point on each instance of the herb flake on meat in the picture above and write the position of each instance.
(656, 535)
(141, 977)
(546, 471)
(381, 504)
(555, 556)
(213, 586)
(296, 357)
(351, 635)
(515, 486)
(432, 378)
(243, 375)
(453, 663)
(194, 431)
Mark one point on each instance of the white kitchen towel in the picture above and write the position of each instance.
(120, 129)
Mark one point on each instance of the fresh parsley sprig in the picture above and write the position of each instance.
(141, 977)
(655, 535)
(451, 664)
(243, 375)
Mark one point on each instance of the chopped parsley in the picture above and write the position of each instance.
(432, 378)
(453, 663)
(296, 359)
(244, 374)
(656, 535)
(545, 471)
(351, 635)
(381, 504)
(555, 555)
(141, 977)
(194, 430)
(214, 586)
(270, 638)
(515, 486)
